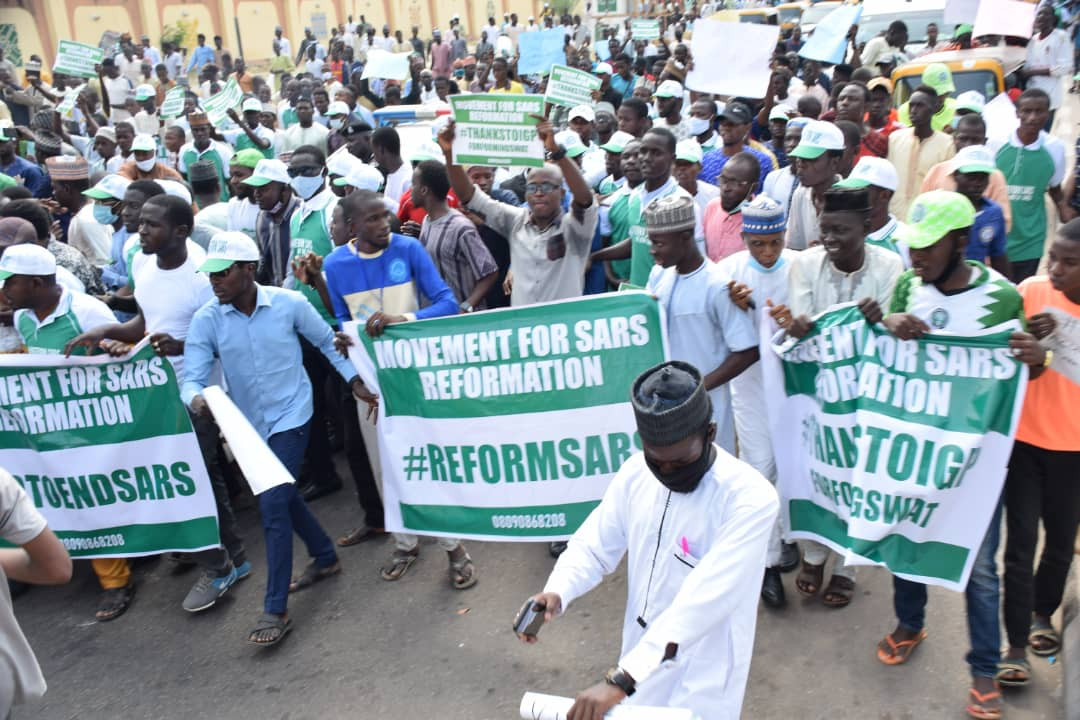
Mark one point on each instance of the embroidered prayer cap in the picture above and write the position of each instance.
(670, 403)
(934, 215)
(670, 214)
(198, 119)
(763, 216)
(106, 132)
(48, 143)
(68, 167)
(847, 200)
(202, 170)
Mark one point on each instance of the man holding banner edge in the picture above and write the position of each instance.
(944, 293)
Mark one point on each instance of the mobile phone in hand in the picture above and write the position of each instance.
(529, 618)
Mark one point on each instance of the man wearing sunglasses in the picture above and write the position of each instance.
(549, 248)
(255, 332)
(309, 235)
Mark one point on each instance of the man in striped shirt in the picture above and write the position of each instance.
(451, 239)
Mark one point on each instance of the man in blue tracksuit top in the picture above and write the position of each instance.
(377, 278)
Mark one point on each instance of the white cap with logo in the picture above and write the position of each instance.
(228, 247)
(26, 259)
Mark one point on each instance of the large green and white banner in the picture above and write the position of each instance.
(893, 452)
(509, 424)
(105, 450)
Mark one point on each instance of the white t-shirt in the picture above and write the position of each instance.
(398, 182)
(20, 675)
(242, 216)
(169, 298)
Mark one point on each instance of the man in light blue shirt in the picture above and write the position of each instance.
(201, 55)
(255, 331)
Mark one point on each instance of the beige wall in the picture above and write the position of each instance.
(258, 18)
(47, 20)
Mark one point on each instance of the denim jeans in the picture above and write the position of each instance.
(982, 595)
(284, 512)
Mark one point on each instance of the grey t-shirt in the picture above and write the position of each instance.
(20, 676)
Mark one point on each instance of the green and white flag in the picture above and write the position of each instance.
(508, 424)
(570, 87)
(218, 105)
(893, 452)
(105, 450)
(174, 102)
(71, 97)
(497, 129)
(75, 58)
(645, 29)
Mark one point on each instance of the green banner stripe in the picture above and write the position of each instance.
(62, 407)
(536, 521)
(901, 555)
(132, 540)
(947, 400)
(619, 336)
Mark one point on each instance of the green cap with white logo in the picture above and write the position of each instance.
(934, 215)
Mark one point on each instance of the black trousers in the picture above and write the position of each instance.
(367, 491)
(1023, 269)
(206, 430)
(1041, 484)
(318, 460)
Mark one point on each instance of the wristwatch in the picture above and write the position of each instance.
(621, 679)
(557, 155)
(465, 307)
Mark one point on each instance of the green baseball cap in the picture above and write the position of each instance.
(248, 157)
(939, 77)
(962, 29)
(934, 215)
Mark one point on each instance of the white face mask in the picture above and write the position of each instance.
(146, 165)
(698, 125)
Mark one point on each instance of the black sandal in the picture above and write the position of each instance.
(115, 602)
(313, 574)
(841, 588)
(282, 626)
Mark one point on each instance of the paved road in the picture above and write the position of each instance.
(364, 648)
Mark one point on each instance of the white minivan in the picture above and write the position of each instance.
(877, 15)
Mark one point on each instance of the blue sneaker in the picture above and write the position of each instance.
(243, 570)
(207, 589)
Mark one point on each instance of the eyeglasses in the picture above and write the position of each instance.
(732, 182)
(305, 171)
(543, 188)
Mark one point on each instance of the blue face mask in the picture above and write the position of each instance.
(104, 214)
(780, 262)
(305, 187)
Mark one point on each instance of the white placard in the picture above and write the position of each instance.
(961, 11)
(386, 65)
(1004, 17)
(1065, 342)
(260, 465)
(1000, 117)
(538, 706)
(742, 49)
